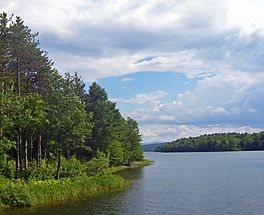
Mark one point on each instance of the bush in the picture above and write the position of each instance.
(7, 169)
(16, 194)
(72, 168)
(44, 172)
(97, 165)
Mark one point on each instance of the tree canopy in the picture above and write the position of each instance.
(45, 116)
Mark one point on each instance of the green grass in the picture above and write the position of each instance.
(136, 164)
(20, 193)
(146, 162)
(38, 190)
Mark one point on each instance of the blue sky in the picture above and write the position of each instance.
(180, 68)
(165, 85)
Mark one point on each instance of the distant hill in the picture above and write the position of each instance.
(215, 142)
(151, 147)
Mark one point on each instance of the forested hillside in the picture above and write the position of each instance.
(216, 142)
(151, 147)
(46, 118)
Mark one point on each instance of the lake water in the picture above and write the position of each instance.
(179, 183)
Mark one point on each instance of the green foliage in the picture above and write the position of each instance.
(116, 153)
(106, 119)
(51, 126)
(41, 111)
(16, 194)
(19, 193)
(147, 162)
(5, 147)
(33, 112)
(111, 133)
(97, 165)
(72, 168)
(216, 142)
(133, 150)
(68, 122)
(45, 172)
(7, 169)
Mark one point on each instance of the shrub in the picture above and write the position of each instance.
(7, 169)
(44, 172)
(72, 168)
(97, 165)
(16, 194)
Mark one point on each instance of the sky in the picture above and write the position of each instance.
(179, 67)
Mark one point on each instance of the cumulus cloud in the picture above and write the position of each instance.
(110, 38)
(221, 42)
(118, 64)
(164, 133)
(222, 99)
(142, 98)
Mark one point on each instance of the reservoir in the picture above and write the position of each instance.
(212, 183)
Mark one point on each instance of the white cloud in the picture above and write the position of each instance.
(164, 133)
(126, 79)
(247, 15)
(154, 14)
(143, 98)
(225, 98)
(252, 110)
(92, 68)
(106, 38)
(220, 41)
(62, 15)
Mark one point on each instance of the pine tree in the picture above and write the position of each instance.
(133, 150)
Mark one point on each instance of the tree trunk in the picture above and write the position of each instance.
(26, 152)
(18, 144)
(68, 154)
(17, 157)
(2, 102)
(39, 151)
(59, 160)
(26, 139)
(31, 149)
(20, 151)
(45, 153)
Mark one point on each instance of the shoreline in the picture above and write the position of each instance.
(16, 194)
(168, 152)
(134, 165)
(38, 193)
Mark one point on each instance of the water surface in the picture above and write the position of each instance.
(177, 184)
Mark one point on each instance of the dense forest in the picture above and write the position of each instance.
(46, 118)
(151, 147)
(216, 142)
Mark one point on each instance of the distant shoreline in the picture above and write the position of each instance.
(216, 143)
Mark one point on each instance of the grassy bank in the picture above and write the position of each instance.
(133, 165)
(138, 164)
(20, 193)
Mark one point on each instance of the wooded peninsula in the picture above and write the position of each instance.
(216, 142)
(59, 139)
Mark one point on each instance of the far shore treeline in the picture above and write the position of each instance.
(216, 142)
(47, 118)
